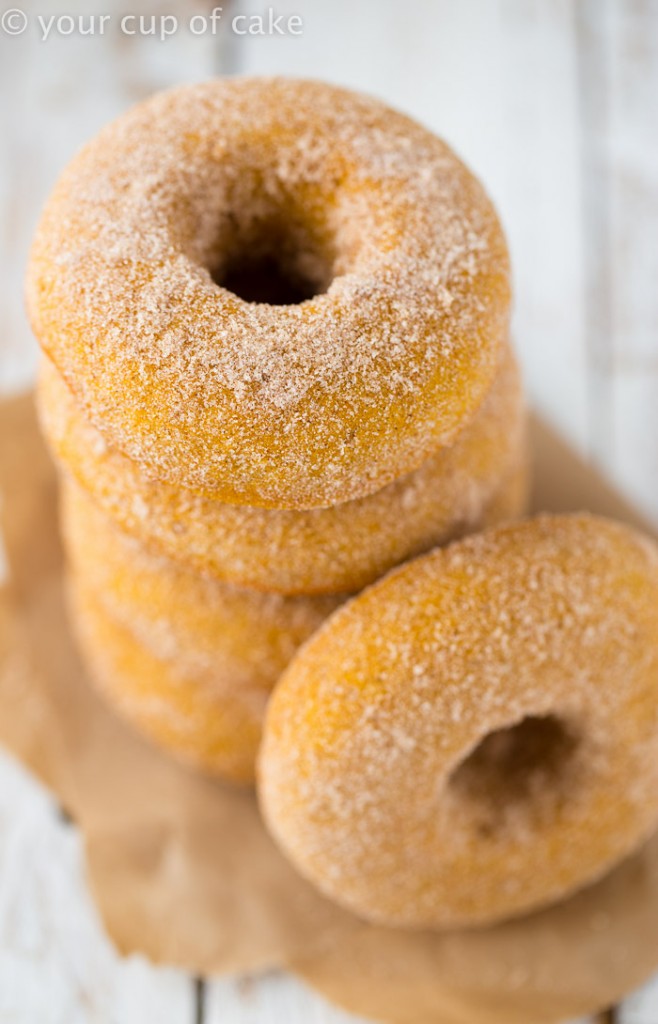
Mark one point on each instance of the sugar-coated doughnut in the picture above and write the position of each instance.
(301, 404)
(476, 735)
(214, 728)
(243, 637)
(463, 488)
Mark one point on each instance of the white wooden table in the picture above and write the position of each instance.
(553, 103)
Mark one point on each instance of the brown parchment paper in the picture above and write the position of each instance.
(182, 868)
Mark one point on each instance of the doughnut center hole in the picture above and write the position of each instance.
(524, 764)
(280, 266)
(264, 280)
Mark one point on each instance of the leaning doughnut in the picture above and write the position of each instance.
(476, 735)
(303, 404)
(341, 549)
(244, 638)
(213, 727)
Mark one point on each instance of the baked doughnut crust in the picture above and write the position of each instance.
(299, 405)
(461, 489)
(244, 637)
(476, 735)
(188, 712)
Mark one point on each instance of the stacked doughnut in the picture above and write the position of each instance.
(277, 364)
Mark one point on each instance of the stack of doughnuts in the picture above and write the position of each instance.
(277, 364)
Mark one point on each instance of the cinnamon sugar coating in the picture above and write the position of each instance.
(477, 481)
(300, 405)
(476, 735)
(218, 649)
(213, 729)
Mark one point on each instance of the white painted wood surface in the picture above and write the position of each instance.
(55, 962)
(553, 103)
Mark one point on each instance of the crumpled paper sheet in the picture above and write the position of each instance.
(182, 868)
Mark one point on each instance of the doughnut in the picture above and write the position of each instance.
(244, 638)
(476, 735)
(212, 727)
(153, 286)
(341, 549)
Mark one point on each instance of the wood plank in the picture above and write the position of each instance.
(592, 20)
(540, 141)
(56, 964)
(619, 64)
(632, 148)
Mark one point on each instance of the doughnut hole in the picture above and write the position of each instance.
(516, 774)
(281, 258)
(267, 280)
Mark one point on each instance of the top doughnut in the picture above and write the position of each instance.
(377, 348)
